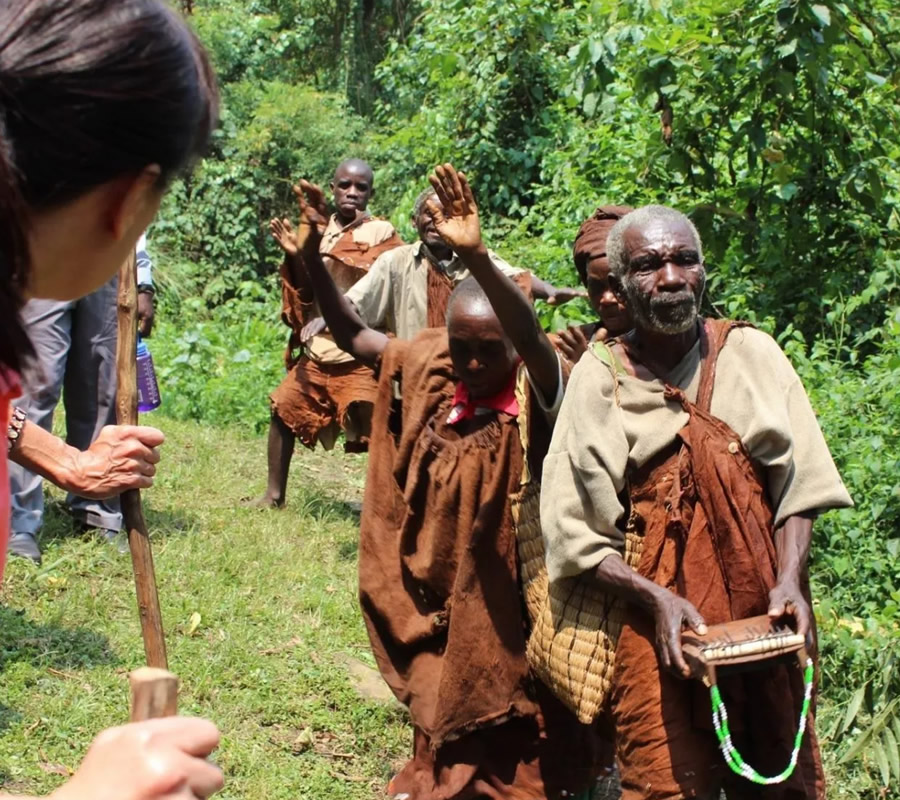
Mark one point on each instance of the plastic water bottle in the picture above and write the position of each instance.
(148, 390)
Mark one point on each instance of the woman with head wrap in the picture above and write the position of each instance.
(589, 255)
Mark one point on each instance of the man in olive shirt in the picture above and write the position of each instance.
(407, 289)
(692, 443)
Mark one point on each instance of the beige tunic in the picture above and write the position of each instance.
(598, 440)
(370, 232)
(394, 293)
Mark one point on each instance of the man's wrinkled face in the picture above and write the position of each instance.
(483, 357)
(425, 225)
(665, 278)
(352, 187)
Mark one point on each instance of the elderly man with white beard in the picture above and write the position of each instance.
(689, 449)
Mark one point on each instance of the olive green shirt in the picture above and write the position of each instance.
(608, 427)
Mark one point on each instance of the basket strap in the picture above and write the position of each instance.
(733, 757)
(605, 354)
(523, 398)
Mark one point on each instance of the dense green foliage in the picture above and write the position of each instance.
(774, 125)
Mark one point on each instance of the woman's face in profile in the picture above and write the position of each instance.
(78, 246)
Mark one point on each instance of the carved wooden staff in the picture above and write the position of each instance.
(132, 512)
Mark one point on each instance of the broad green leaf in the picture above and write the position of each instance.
(857, 747)
(881, 760)
(823, 14)
(788, 49)
(853, 707)
(892, 751)
(788, 191)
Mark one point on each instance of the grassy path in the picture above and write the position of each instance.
(269, 658)
(263, 630)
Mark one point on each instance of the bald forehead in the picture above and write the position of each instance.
(354, 168)
(472, 306)
(658, 234)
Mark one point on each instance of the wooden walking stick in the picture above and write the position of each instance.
(154, 693)
(132, 512)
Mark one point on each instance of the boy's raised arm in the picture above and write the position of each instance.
(456, 220)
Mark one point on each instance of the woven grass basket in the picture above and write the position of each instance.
(574, 625)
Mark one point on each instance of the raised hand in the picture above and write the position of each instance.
(312, 204)
(456, 218)
(283, 232)
(313, 218)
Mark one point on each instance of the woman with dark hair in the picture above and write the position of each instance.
(102, 103)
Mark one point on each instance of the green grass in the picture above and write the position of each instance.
(276, 595)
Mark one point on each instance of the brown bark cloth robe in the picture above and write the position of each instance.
(440, 595)
(324, 385)
(707, 527)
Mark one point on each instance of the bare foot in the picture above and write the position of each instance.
(266, 501)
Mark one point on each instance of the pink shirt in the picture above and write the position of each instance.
(9, 389)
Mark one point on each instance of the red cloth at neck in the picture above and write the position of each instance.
(9, 389)
(465, 406)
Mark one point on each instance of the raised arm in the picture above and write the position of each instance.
(349, 331)
(456, 220)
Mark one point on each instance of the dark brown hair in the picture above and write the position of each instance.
(89, 90)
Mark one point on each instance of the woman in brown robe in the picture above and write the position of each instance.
(589, 255)
(438, 574)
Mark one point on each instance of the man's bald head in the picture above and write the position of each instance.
(358, 167)
(482, 355)
(469, 298)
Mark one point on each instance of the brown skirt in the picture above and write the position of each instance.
(317, 400)
(547, 755)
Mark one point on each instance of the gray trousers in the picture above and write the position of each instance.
(75, 344)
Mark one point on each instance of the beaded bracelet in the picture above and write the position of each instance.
(14, 431)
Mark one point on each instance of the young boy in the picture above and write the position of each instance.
(438, 571)
(325, 390)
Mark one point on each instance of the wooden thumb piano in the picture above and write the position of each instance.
(744, 644)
